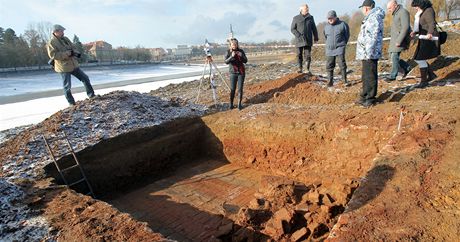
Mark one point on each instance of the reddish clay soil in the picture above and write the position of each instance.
(410, 177)
(79, 217)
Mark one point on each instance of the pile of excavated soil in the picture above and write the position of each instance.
(87, 123)
(68, 214)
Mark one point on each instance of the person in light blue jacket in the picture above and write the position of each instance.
(369, 50)
(337, 34)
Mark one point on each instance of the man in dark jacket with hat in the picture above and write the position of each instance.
(400, 38)
(304, 29)
(337, 34)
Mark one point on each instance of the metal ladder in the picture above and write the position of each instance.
(77, 163)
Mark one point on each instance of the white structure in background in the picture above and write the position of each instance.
(231, 35)
(182, 52)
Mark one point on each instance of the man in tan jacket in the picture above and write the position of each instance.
(62, 51)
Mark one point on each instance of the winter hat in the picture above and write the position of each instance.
(331, 14)
(58, 27)
(368, 3)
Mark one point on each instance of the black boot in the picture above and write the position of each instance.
(430, 74)
(330, 78)
(232, 96)
(406, 72)
(300, 67)
(308, 68)
(240, 98)
(423, 76)
(344, 78)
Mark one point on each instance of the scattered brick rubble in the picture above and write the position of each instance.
(289, 211)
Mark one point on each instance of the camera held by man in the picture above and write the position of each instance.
(72, 54)
(51, 63)
(75, 54)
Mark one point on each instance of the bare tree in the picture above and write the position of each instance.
(446, 7)
(355, 24)
(439, 6)
(451, 6)
(33, 40)
(44, 30)
(37, 35)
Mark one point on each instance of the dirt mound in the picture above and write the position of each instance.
(455, 26)
(78, 216)
(447, 68)
(24, 157)
(299, 89)
(88, 123)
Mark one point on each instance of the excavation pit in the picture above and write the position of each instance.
(249, 177)
(286, 167)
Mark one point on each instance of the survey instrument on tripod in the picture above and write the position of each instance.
(209, 70)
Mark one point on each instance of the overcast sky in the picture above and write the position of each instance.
(167, 23)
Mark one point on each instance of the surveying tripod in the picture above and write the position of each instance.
(209, 63)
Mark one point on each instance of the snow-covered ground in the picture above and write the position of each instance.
(34, 111)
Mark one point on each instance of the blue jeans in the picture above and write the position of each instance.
(396, 63)
(78, 73)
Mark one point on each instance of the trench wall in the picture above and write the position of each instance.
(138, 157)
(308, 145)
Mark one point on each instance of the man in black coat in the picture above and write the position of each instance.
(303, 27)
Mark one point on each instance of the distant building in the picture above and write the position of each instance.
(100, 51)
(158, 54)
(182, 52)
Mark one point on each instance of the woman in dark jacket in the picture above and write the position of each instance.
(427, 48)
(236, 58)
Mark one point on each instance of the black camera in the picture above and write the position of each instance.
(76, 54)
(51, 63)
